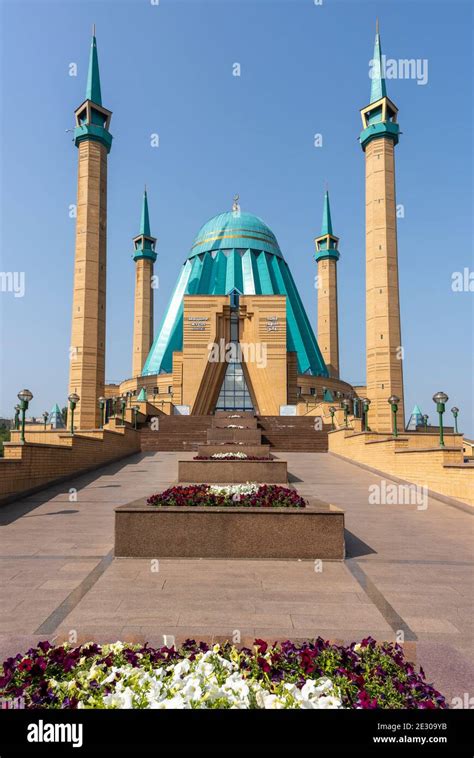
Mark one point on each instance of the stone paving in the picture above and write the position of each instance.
(408, 570)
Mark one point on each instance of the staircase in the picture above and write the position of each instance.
(293, 433)
(176, 433)
(282, 433)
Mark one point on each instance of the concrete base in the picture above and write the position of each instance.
(261, 451)
(146, 531)
(233, 472)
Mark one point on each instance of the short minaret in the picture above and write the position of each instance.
(327, 256)
(144, 256)
(87, 352)
(383, 334)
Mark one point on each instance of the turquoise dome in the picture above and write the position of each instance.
(234, 230)
(236, 251)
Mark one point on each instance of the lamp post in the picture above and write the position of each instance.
(16, 420)
(136, 408)
(365, 413)
(345, 407)
(332, 411)
(102, 410)
(123, 405)
(45, 419)
(440, 398)
(73, 401)
(114, 406)
(393, 400)
(425, 421)
(25, 397)
(455, 412)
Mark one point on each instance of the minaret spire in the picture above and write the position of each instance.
(326, 227)
(327, 255)
(93, 92)
(144, 256)
(378, 88)
(93, 140)
(145, 219)
(379, 136)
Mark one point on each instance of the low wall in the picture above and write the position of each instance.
(412, 458)
(145, 531)
(233, 472)
(36, 464)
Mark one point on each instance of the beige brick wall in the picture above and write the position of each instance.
(143, 315)
(46, 458)
(383, 332)
(87, 358)
(441, 470)
(328, 334)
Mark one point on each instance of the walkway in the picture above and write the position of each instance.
(409, 572)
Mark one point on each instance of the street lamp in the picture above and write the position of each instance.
(455, 412)
(114, 404)
(25, 397)
(123, 405)
(45, 419)
(102, 409)
(425, 421)
(365, 413)
(136, 408)
(332, 411)
(16, 420)
(345, 407)
(393, 400)
(73, 401)
(440, 398)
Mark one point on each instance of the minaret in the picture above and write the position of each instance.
(383, 336)
(87, 352)
(144, 256)
(327, 256)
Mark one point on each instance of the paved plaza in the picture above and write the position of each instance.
(408, 570)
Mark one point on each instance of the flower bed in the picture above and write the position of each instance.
(232, 457)
(286, 675)
(242, 495)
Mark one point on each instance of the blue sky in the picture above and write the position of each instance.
(167, 69)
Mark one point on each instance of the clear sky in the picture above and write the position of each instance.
(168, 69)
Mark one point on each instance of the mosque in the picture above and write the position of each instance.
(235, 334)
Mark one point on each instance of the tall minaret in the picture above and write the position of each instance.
(93, 139)
(144, 256)
(384, 354)
(327, 256)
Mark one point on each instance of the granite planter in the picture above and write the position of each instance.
(247, 422)
(233, 472)
(145, 531)
(262, 451)
(249, 436)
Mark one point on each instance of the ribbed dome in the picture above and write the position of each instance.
(233, 230)
(236, 251)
